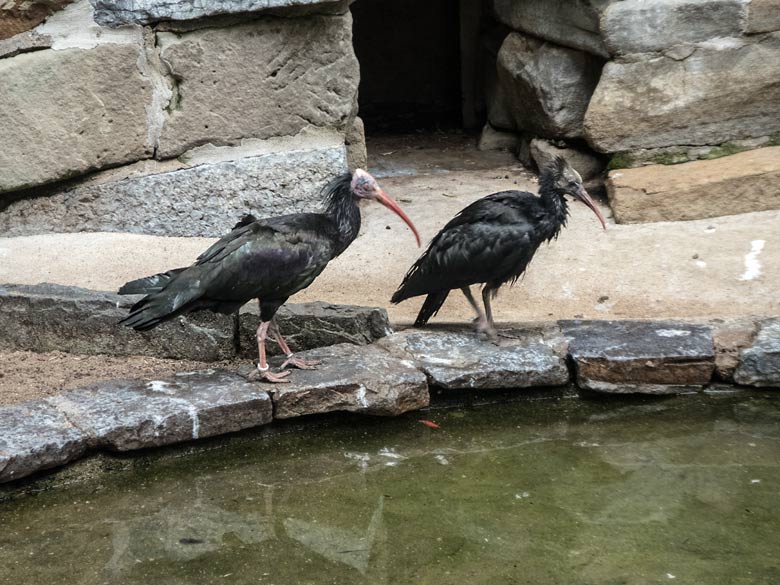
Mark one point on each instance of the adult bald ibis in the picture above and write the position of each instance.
(267, 259)
(491, 242)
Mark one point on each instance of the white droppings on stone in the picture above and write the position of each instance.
(617, 175)
(4, 251)
(755, 481)
(160, 386)
(391, 463)
(701, 264)
(670, 576)
(442, 459)
(361, 396)
(522, 495)
(193, 412)
(752, 265)
(362, 459)
(672, 333)
(709, 229)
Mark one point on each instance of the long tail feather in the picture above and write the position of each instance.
(430, 307)
(150, 284)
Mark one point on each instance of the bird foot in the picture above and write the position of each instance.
(487, 331)
(301, 363)
(268, 376)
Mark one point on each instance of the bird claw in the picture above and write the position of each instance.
(268, 376)
(301, 363)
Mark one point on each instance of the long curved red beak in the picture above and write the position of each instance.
(388, 202)
(583, 196)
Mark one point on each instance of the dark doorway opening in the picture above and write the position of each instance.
(410, 64)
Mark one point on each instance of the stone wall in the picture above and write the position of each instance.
(171, 117)
(640, 82)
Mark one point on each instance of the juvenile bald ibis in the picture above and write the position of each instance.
(267, 259)
(491, 242)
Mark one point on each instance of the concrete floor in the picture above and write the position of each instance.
(723, 267)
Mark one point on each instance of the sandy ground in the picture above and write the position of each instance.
(722, 267)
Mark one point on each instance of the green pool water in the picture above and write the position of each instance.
(627, 491)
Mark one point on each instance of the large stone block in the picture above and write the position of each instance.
(762, 16)
(203, 196)
(546, 87)
(740, 183)
(50, 317)
(639, 26)
(759, 364)
(309, 325)
(572, 24)
(640, 356)
(68, 112)
(135, 414)
(272, 77)
(722, 90)
(118, 12)
(730, 339)
(366, 380)
(457, 360)
(36, 436)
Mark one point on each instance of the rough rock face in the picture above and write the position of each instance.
(640, 357)
(740, 183)
(585, 163)
(547, 87)
(357, 156)
(456, 360)
(730, 339)
(35, 436)
(135, 414)
(492, 139)
(354, 379)
(572, 24)
(17, 16)
(119, 12)
(639, 26)
(318, 324)
(762, 16)
(710, 93)
(205, 199)
(759, 365)
(68, 112)
(271, 77)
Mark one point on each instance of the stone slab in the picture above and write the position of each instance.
(689, 98)
(546, 87)
(365, 380)
(762, 16)
(759, 364)
(136, 414)
(204, 196)
(740, 183)
(114, 13)
(648, 357)
(18, 16)
(49, 317)
(522, 358)
(69, 112)
(317, 324)
(24, 43)
(639, 26)
(35, 436)
(572, 24)
(224, 92)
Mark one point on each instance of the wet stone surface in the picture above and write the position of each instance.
(759, 365)
(35, 436)
(367, 380)
(134, 414)
(456, 359)
(639, 356)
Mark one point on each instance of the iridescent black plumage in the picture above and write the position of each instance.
(491, 242)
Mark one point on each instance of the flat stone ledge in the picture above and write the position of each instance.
(35, 436)
(457, 359)
(50, 317)
(639, 356)
(759, 365)
(134, 414)
(113, 13)
(366, 380)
